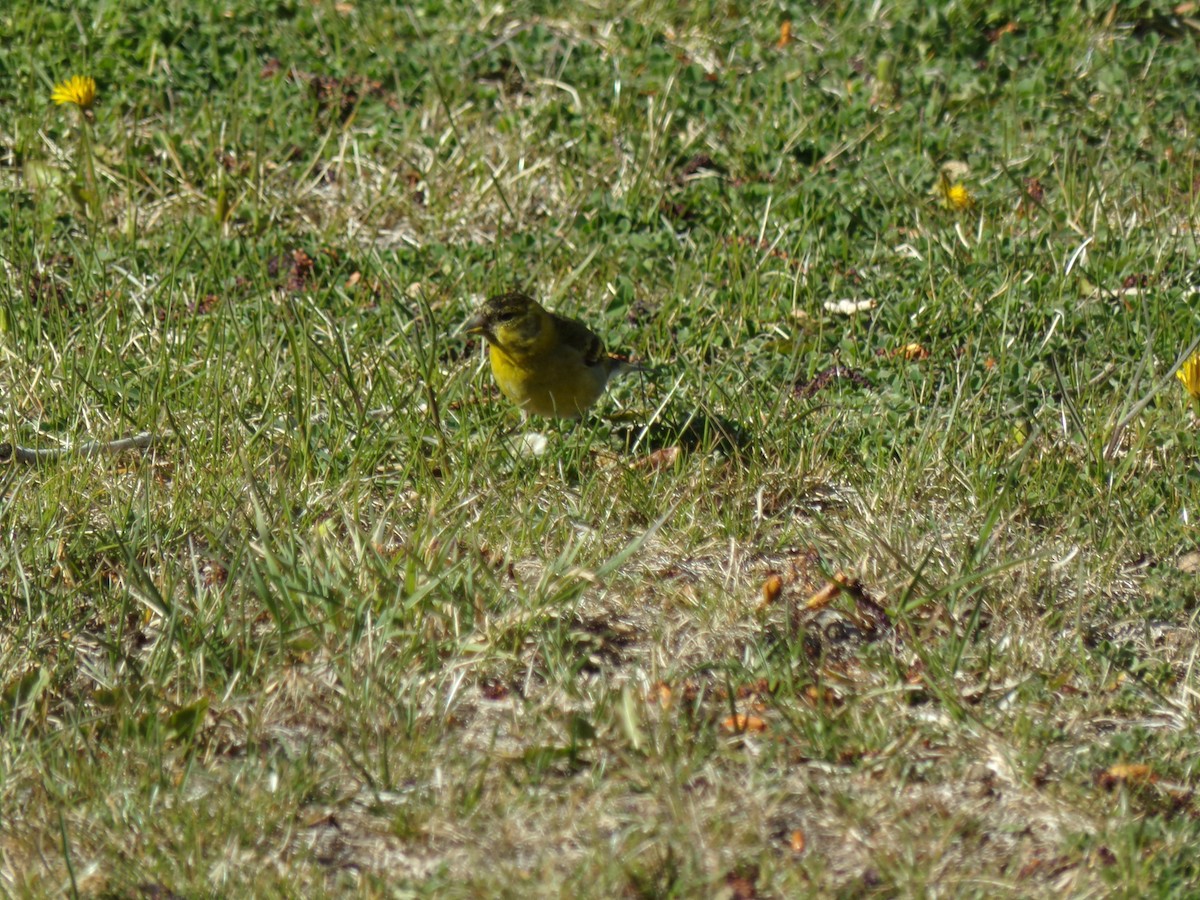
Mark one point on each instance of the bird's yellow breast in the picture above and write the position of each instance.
(553, 381)
(547, 364)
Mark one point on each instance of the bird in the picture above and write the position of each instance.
(547, 364)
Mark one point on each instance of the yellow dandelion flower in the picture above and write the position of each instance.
(949, 187)
(1189, 375)
(958, 197)
(78, 89)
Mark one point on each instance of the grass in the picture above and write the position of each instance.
(337, 633)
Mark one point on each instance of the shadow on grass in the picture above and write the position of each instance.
(695, 432)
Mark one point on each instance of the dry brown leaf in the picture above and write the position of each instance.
(820, 697)
(911, 351)
(825, 595)
(1007, 28)
(662, 693)
(1126, 773)
(493, 688)
(658, 460)
(741, 723)
(771, 590)
(742, 885)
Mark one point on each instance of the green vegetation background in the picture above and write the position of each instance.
(336, 632)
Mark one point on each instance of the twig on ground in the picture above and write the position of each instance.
(33, 456)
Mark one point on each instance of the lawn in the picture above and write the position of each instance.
(880, 580)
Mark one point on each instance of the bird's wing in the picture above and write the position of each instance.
(577, 336)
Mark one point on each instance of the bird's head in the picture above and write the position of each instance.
(507, 318)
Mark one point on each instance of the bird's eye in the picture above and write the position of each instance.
(506, 315)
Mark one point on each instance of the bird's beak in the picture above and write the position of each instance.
(474, 325)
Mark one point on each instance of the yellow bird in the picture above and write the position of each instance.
(545, 363)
